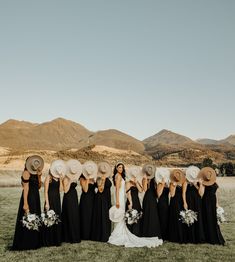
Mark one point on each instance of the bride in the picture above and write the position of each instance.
(121, 236)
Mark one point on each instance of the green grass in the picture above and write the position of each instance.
(94, 251)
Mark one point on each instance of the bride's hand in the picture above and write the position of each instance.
(117, 205)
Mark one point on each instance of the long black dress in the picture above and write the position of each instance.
(70, 216)
(86, 211)
(163, 212)
(101, 224)
(176, 227)
(195, 232)
(52, 235)
(150, 220)
(136, 227)
(25, 239)
(211, 228)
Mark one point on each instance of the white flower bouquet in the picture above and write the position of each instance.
(31, 221)
(49, 218)
(132, 216)
(188, 216)
(220, 215)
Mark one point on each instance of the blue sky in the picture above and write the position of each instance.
(136, 66)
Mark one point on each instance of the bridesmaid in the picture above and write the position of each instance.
(192, 194)
(25, 239)
(209, 204)
(133, 187)
(70, 210)
(162, 177)
(87, 181)
(150, 220)
(52, 187)
(176, 227)
(101, 225)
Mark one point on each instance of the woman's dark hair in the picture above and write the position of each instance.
(115, 172)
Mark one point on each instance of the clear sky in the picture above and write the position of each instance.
(137, 66)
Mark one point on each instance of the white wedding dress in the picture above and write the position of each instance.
(121, 236)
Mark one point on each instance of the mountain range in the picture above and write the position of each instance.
(62, 134)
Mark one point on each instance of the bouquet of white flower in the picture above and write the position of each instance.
(49, 218)
(132, 216)
(188, 216)
(220, 215)
(31, 221)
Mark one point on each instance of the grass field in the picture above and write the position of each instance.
(94, 251)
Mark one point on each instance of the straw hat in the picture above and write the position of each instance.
(74, 169)
(133, 171)
(208, 176)
(89, 169)
(162, 173)
(58, 168)
(34, 163)
(149, 170)
(116, 214)
(192, 173)
(104, 169)
(177, 176)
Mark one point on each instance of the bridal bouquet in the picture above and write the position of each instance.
(188, 216)
(220, 215)
(31, 221)
(49, 218)
(132, 216)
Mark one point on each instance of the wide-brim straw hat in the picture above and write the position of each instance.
(149, 170)
(74, 169)
(162, 173)
(34, 163)
(208, 176)
(58, 168)
(89, 169)
(177, 176)
(133, 171)
(192, 173)
(104, 169)
(116, 214)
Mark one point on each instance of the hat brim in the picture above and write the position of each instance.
(108, 172)
(74, 169)
(116, 214)
(94, 172)
(182, 176)
(202, 174)
(145, 171)
(54, 171)
(29, 162)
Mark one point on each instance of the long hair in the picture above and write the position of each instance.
(115, 172)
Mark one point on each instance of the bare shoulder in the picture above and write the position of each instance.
(118, 178)
(26, 175)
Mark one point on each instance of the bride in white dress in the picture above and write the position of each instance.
(121, 236)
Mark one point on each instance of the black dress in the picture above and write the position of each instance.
(136, 227)
(150, 220)
(176, 227)
(70, 216)
(25, 239)
(86, 211)
(195, 232)
(52, 235)
(101, 224)
(163, 212)
(211, 228)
